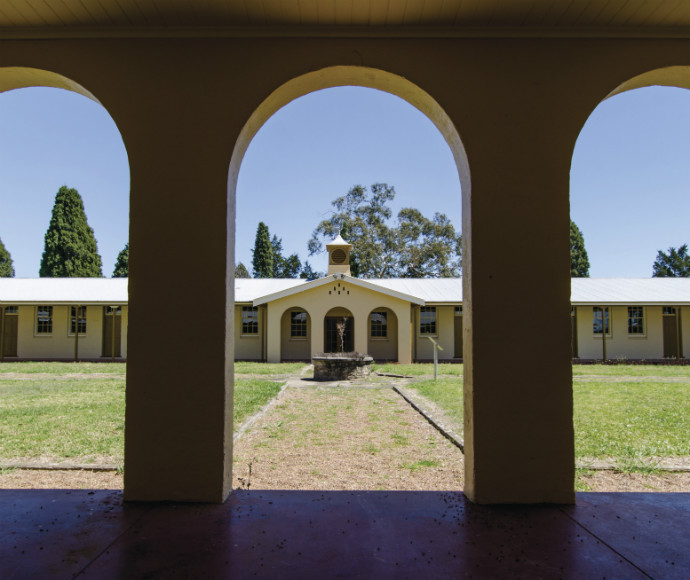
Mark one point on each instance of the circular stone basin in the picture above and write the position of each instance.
(341, 367)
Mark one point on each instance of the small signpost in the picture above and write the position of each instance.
(437, 347)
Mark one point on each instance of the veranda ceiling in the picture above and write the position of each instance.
(48, 18)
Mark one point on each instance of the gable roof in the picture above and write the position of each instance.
(289, 291)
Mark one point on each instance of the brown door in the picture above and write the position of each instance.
(9, 320)
(671, 347)
(112, 324)
(458, 335)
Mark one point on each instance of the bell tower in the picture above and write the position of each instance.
(339, 256)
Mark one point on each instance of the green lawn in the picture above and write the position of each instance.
(624, 412)
(77, 413)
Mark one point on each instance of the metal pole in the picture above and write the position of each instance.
(2, 333)
(113, 313)
(678, 334)
(435, 363)
(603, 332)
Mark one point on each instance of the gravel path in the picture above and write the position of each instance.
(345, 438)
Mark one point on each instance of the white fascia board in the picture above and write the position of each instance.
(329, 280)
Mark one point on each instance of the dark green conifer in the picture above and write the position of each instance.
(579, 261)
(122, 263)
(70, 249)
(6, 267)
(262, 257)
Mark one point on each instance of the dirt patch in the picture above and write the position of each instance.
(59, 479)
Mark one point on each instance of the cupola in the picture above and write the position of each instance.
(339, 256)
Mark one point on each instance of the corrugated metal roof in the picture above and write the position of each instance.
(428, 289)
(249, 289)
(63, 290)
(592, 291)
(630, 291)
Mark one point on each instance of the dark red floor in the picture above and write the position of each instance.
(57, 534)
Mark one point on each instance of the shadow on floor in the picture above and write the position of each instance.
(342, 534)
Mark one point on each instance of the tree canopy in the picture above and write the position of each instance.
(241, 271)
(673, 264)
(70, 246)
(579, 261)
(6, 266)
(414, 246)
(122, 263)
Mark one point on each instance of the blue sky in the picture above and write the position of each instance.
(630, 176)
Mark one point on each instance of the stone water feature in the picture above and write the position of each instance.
(341, 366)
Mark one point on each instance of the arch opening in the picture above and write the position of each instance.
(629, 197)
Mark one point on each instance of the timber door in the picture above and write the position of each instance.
(458, 332)
(673, 346)
(9, 319)
(332, 336)
(112, 330)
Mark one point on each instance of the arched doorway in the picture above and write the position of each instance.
(338, 330)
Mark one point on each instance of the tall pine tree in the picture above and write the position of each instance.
(6, 267)
(122, 263)
(579, 261)
(70, 249)
(263, 260)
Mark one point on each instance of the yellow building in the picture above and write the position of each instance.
(390, 319)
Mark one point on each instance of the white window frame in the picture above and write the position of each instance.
(304, 336)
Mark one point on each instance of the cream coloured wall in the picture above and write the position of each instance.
(317, 302)
(59, 345)
(247, 346)
(620, 344)
(445, 335)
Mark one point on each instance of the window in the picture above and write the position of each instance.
(298, 324)
(668, 311)
(82, 320)
(116, 310)
(597, 323)
(379, 324)
(11, 309)
(635, 320)
(44, 320)
(457, 311)
(427, 320)
(250, 320)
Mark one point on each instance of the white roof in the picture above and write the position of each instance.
(78, 291)
(431, 290)
(639, 291)
(584, 291)
(249, 289)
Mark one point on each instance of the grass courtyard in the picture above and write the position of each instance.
(629, 414)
